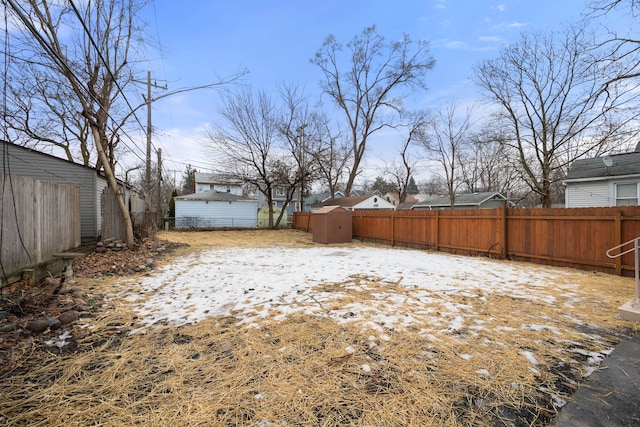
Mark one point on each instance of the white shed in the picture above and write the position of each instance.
(213, 209)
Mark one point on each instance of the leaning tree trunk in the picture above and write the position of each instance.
(111, 179)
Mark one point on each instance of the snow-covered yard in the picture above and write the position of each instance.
(302, 334)
(381, 288)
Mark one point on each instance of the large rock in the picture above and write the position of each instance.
(39, 325)
(68, 317)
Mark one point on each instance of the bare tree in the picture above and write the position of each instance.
(489, 164)
(624, 48)
(91, 69)
(79, 59)
(260, 143)
(300, 127)
(446, 137)
(366, 86)
(433, 185)
(400, 170)
(548, 91)
(330, 152)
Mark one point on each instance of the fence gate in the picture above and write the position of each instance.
(112, 220)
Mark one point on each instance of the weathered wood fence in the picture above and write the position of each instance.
(577, 238)
(37, 219)
(113, 227)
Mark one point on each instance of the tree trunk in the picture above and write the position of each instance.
(111, 179)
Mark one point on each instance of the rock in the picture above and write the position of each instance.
(100, 244)
(7, 327)
(81, 307)
(79, 293)
(101, 249)
(39, 325)
(68, 317)
(3, 314)
(54, 323)
(149, 262)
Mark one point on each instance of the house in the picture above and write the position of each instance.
(394, 197)
(369, 201)
(278, 197)
(213, 209)
(612, 180)
(315, 199)
(483, 200)
(217, 182)
(23, 161)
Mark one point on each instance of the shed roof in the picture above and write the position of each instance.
(329, 209)
(215, 196)
(621, 164)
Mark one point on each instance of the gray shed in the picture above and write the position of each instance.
(331, 224)
(24, 161)
(213, 209)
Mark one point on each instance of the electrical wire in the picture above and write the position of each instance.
(6, 166)
(104, 62)
(62, 62)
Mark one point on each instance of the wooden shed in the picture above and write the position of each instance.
(331, 224)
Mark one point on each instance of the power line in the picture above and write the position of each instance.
(62, 63)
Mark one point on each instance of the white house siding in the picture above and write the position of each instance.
(374, 202)
(588, 194)
(213, 214)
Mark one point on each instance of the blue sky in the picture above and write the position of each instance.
(274, 40)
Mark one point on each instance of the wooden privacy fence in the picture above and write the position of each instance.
(113, 227)
(577, 238)
(37, 219)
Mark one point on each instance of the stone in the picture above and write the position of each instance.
(54, 323)
(101, 249)
(39, 325)
(82, 307)
(79, 293)
(3, 314)
(68, 317)
(7, 327)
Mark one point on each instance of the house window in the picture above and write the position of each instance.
(279, 191)
(627, 194)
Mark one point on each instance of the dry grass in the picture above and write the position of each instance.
(315, 371)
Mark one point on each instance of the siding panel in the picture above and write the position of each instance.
(588, 194)
(24, 162)
(212, 214)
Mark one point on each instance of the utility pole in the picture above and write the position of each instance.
(148, 100)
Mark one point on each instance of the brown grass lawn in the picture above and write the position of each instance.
(315, 370)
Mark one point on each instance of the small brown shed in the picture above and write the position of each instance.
(331, 224)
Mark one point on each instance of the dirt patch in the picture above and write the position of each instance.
(315, 370)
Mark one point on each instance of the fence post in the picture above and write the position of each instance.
(505, 239)
(437, 231)
(617, 235)
(393, 223)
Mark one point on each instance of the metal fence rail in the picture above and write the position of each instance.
(634, 249)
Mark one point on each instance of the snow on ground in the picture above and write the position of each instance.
(380, 286)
